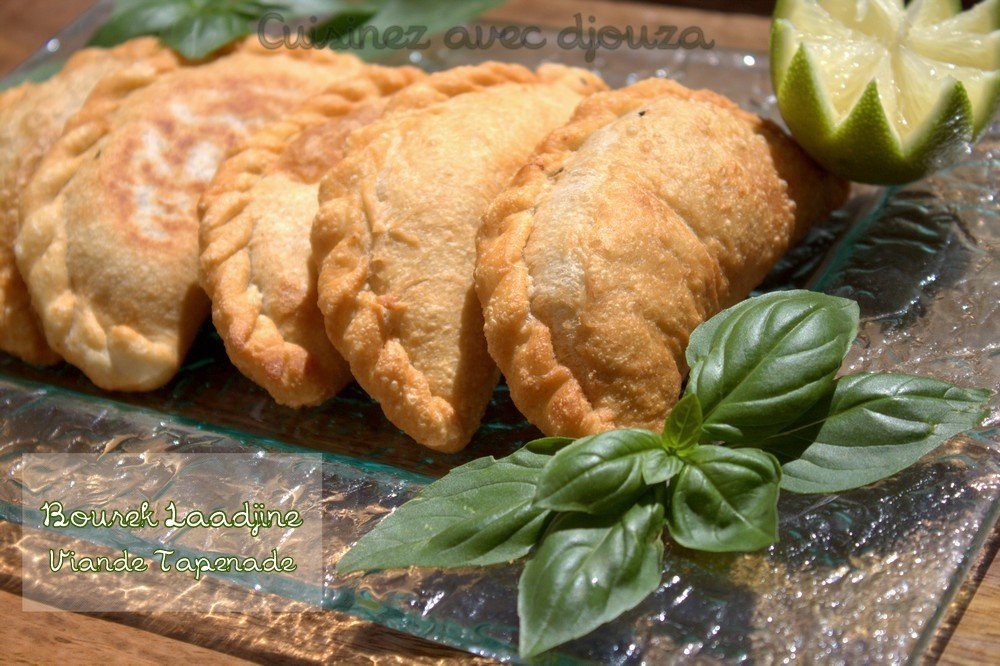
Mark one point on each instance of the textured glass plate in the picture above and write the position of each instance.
(866, 575)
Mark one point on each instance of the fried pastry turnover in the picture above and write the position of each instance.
(109, 240)
(255, 251)
(31, 119)
(394, 240)
(653, 209)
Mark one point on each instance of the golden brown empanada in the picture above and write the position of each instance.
(255, 251)
(109, 240)
(656, 207)
(395, 237)
(29, 125)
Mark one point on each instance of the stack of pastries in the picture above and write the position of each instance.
(418, 233)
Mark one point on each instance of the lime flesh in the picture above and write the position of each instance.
(884, 93)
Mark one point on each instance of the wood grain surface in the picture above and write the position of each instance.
(48, 637)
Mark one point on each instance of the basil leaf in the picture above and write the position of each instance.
(478, 514)
(321, 8)
(134, 18)
(683, 427)
(759, 365)
(430, 16)
(587, 571)
(599, 474)
(548, 445)
(659, 466)
(194, 28)
(197, 36)
(339, 17)
(873, 426)
(335, 28)
(725, 500)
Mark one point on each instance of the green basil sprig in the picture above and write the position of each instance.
(193, 28)
(480, 513)
(872, 426)
(758, 365)
(725, 500)
(602, 474)
(762, 411)
(685, 423)
(198, 28)
(600, 566)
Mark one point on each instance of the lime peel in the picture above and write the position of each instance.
(866, 91)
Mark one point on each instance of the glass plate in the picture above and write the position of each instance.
(864, 575)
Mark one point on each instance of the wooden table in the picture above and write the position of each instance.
(52, 637)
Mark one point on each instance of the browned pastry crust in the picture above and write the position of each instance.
(255, 253)
(109, 240)
(394, 239)
(31, 120)
(653, 209)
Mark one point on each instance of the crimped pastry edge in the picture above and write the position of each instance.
(286, 370)
(545, 390)
(21, 331)
(342, 245)
(43, 248)
(41, 244)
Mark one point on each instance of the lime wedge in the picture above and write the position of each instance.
(880, 92)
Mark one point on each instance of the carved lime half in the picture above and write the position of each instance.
(880, 92)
